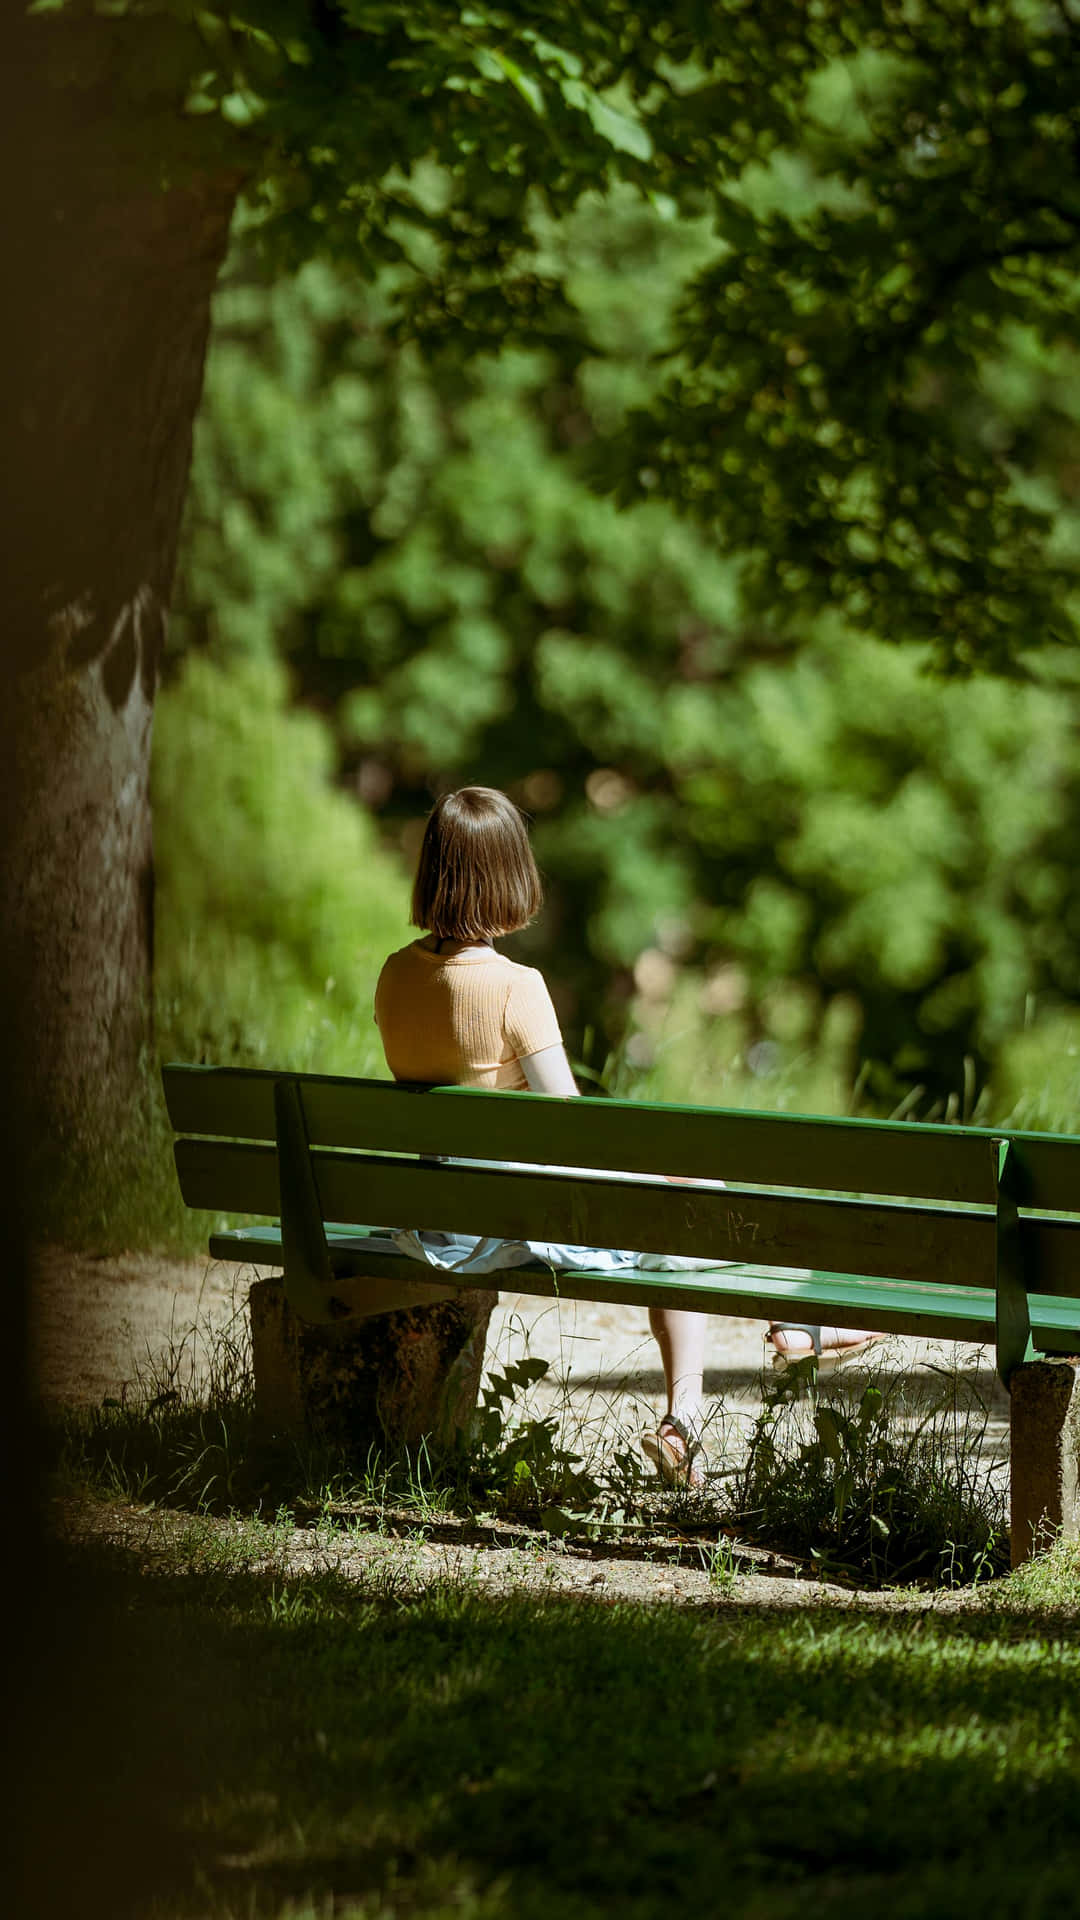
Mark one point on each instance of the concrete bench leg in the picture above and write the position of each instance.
(369, 1382)
(1045, 1455)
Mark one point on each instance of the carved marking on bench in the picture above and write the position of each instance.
(740, 1228)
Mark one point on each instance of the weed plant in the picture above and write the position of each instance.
(519, 1461)
(895, 1486)
(565, 1453)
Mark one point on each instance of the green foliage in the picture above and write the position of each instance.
(276, 905)
(863, 829)
(520, 1461)
(836, 410)
(820, 258)
(421, 550)
(711, 807)
(789, 1057)
(798, 273)
(895, 214)
(1038, 1074)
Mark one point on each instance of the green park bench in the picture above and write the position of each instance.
(962, 1233)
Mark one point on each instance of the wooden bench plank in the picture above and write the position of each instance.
(777, 1150)
(749, 1290)
(894, 1241)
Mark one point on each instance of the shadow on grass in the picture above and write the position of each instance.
(246, 1744)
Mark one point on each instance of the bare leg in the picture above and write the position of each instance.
(680, 1337)
(832, 1339)
(675, 1447)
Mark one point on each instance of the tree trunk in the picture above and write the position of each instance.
(113, 275)
(100, 380)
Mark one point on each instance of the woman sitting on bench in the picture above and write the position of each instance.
(453, 1011)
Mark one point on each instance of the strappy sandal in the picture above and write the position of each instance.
(676, 1454)
(827, 1358)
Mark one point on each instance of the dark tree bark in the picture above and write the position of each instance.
(111, 271)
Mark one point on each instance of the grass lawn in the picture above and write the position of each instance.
(235, 1741)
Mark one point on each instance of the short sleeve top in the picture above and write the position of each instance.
(463, 1019)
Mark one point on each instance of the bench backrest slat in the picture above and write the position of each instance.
(780, 1150)
(953, 1247)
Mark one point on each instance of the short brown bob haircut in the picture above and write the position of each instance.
(476, 877)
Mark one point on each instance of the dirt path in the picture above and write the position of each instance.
(104, 1323)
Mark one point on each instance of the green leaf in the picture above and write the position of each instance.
(828, 1432)
(529, 88)
(622, 131)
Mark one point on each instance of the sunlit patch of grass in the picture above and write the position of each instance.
(1050, 1582)
(348, 1747)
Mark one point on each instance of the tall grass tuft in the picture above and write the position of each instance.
(182, 1433)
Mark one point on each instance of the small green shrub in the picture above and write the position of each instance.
(892, 1489)
(894, 1486)
(517, 1460)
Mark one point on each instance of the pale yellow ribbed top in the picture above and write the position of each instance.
(462, 1019)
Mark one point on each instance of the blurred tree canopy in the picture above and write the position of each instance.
(842, 405)
(422, 545)
(280, 968)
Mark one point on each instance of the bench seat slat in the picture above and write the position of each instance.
(863, 1156)
(748, 1290)
(893, 1241)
